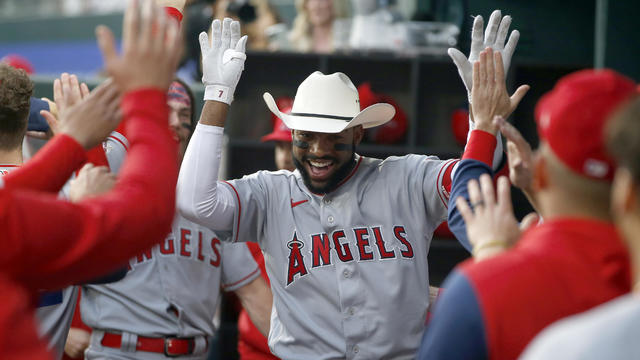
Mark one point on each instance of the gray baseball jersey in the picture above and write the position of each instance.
(608, 331)
(173, 288)
(348, 270)
(55, 309)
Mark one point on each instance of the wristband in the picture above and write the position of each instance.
(218, 93)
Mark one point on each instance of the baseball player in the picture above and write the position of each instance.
(609, 330)
(52, 243)
(55, 308)
(345, 237)
(165, 305)
(573, 261)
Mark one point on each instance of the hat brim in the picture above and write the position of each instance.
(374, 115)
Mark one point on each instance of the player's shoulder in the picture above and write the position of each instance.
(511, 266)
(411, 162)
(608, 328)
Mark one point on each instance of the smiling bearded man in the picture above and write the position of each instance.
(345, 237)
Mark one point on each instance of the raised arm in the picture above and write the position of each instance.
(490, 99)
(199, 197)
(77, 242)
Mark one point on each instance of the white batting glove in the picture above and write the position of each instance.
(497, 31)
(222, 60)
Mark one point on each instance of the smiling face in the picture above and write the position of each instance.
(180, 115)
(324, 160)
(180, 124)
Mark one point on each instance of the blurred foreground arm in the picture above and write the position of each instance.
(80, 241)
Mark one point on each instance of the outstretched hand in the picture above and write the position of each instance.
(150, 43)
(222, 60)
(67, 92)
(491, 225)
(489, 93)
(90, 120)
(494, 38)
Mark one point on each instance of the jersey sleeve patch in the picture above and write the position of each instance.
(444, 181)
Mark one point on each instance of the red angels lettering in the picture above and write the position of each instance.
(185, 234)
(296, 261)
(167, 248)
(321, 247)
(200, 257)
(215, 246)
(362, 238)
(384, 253)
(146, 254)
(344, 253)
(400, 234)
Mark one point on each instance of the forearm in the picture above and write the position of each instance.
(199, 198)
(257, 299)
(476, 161)
(214, 113)
(50, 168)
(82, 241)
(498, 152)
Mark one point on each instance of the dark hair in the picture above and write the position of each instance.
(623, 137)
(15, 96)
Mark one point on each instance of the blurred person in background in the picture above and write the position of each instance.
(313, 27)
(257, 17)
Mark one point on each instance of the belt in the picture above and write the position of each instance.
(169, 346)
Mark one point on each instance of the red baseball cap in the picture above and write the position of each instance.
(571, 119)
(18, 62)
(280, 131)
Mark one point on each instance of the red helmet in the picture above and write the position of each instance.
(18, 62)
(280, 131)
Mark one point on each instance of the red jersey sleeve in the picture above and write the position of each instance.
(50, 168)
(51, 243)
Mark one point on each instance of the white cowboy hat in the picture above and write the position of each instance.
(329, 104)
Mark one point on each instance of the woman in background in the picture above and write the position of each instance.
(313, 26)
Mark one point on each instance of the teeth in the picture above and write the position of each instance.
(316, 163)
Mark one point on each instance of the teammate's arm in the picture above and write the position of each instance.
(81, 241)
(456, 329)
(489, 99)
(199, 197)
(256, 298)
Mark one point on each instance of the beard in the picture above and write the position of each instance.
(340, 174)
